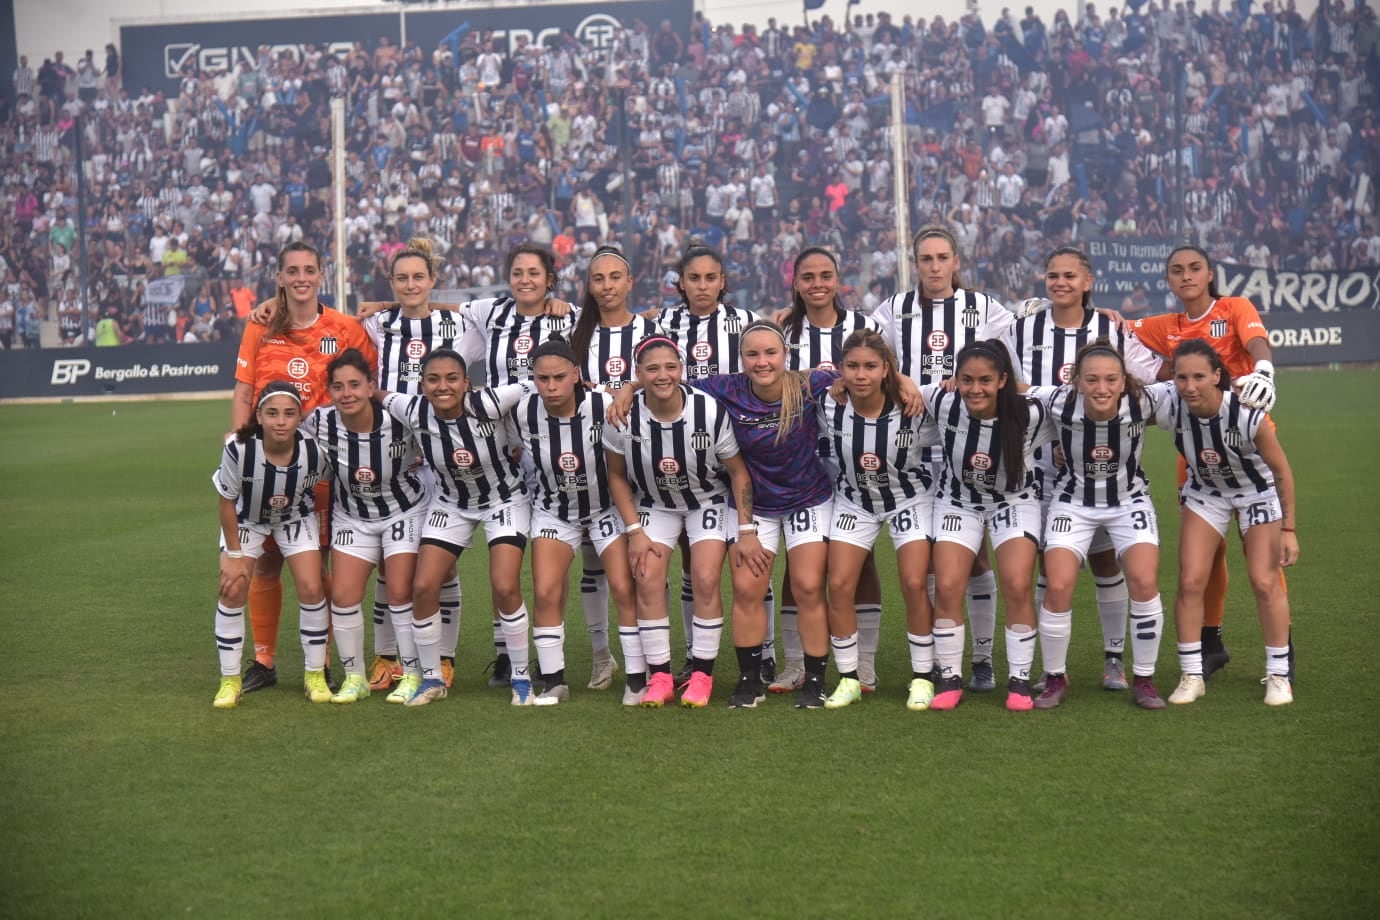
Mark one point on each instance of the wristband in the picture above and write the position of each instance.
(1264, 367)
(747, 528)
(631, 528)
(1289, 530)
(234, 554)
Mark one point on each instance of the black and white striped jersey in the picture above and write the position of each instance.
(1102, 465)
(472, 455)
(880, 460)
(373, 474)
(403, 341)
(927, 335)
(1220, 451)
(568, 454)
(974, 474)
(709, 344)
(503, 338)
(610, 359)
(677, 465)
(821, 347)
(265, 493)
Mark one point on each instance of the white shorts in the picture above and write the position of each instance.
(857, 526)
(453, 528)
(603, 528)
(1249, 510)
(1076, 528)
(1101, 541)
(955, 524)
(292, 537)
(808, 525)
(664, 525)
(373, 541)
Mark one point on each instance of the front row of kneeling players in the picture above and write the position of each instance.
(734, 464)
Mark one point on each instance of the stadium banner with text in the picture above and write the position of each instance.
(1283, 291)
(125, 370)
(1337, 337)
(1123, 263)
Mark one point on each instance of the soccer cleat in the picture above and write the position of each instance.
(811, 693)
(920, 696)
(1114, 674)
(1056, 685)
(522, 692)
(1191, 687)
(949, 693)
(384, 673)
(684, 674)
(602, 671)
(316, 688)
(848, 692)
(984, 678)
(698, 691)
(552, 696)
(1214, 661)
(1278, 690)
(1019, 696)
(500, 671)
(354, 689)
(429, 690)
(406, 689)
(790, 678)
(661, 689)
(230, 693)
(748, 693)
(1144, 694)
(259, 676)
(633, 697)
(768, 671)
(867, 676)
(448, 671)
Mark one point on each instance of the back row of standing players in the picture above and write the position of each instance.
(927, 331)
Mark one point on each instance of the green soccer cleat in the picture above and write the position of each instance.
(848, 692)
(406, 689)
(355, 688)
(230, 693)
(316, 688)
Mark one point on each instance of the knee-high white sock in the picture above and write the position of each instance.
(1020, 650)
(550, 643)
(1147, 623)
(687, 612)
(869, 634)
(1054, 639)
(513, 628)
(427, 634)
(1277, 660)
(1191, 657)
(314, 627)
(594, 598)
(450, 616)
(790, 636)
(921, 654)
(229, 639)
(656, 640)
(845, 653)
(769, 641)
(708, 634)
(982, 613)
(630, 641)
(1112, 601)
(385, 643)
(348, 625)
(407, 643)
(948, 647)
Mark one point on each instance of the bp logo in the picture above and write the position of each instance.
(669, 465)
(462, 458)
(364, 476)
(522, 344)
(298, 368)
(1102, 453)
(416, 349)
(702, 351)
(938, 340)
(870, 462)
(981, 461)
(568, 462)
(1210, 456)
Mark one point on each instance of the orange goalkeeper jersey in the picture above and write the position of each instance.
(1227, 326)
(300, 356)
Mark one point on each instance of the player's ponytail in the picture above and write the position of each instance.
(1013, 410)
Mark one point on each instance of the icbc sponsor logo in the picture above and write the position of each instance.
(568, 462)
(938, 340)
(462, 458)
(1066, 373)
(669, 465)
(826, 365)
(1210, 456)
(1102, 453)
(365, 476)
(278, 502)
(702, 351)
(615, 367)
(416, 349)
(870, 462)
(981, 461)
(522, 344)
(298, 368)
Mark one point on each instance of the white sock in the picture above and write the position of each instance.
(450, 616)
(1277, 660)
(427, 633)
(656, 640)
(349, 638)
(314, 627)
(1112, 603)
(550, 643)
(687, 611)
(790, 636)
(630, 640)
(1040, 586)
(594, 598)
(385, 643)
(708, 633)
(948, 647)
(229, 639)
(1020, 650)
(769, 641)
(845, 652)
(1054, 640)
(407, 643)
(921, 654)
(869, 634)
(1147, 623)
(982, 614)
(513, 627)
(1191, 657)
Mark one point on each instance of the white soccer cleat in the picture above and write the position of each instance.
(1191, 687)
(1278, 690)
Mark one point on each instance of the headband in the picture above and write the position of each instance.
(765, 325)
(656, 341)
(1101, 347)
(986, 349)
(558, 348)
(268, 394)
(610, 251)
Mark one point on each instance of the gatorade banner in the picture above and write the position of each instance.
(1277, 291)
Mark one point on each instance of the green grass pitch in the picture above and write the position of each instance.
(126, 795)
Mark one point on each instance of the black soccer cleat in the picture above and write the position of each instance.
(258, 677)
(1214, 662)
(811, 693)
(500, 671)
(749, 692)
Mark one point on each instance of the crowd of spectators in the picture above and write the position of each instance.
(1021, 136)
